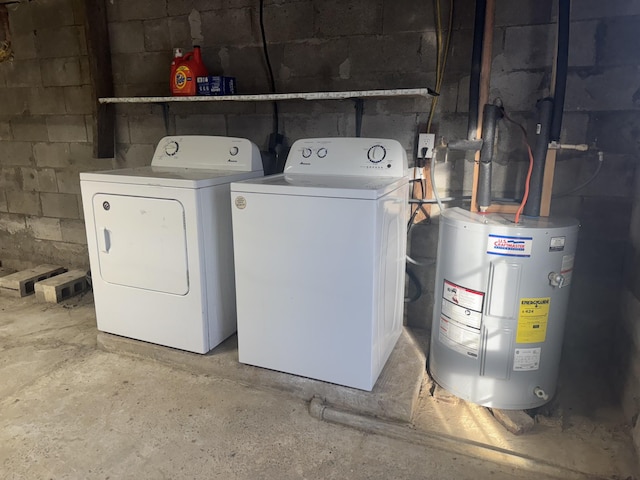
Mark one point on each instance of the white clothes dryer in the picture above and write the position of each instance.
(160, 244)
(320, 259)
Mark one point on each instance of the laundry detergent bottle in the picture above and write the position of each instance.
(184, 71)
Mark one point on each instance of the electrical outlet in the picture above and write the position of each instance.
(426, 142)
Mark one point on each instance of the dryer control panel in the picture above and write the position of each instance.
(375, 157)
(209, 152)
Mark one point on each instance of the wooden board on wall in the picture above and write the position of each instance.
(99, 51)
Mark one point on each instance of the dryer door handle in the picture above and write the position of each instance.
(104, 240)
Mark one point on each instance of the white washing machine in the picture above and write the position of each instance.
(320, 258)
(160, 244)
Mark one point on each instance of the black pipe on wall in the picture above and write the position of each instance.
(545, 112)
(490, 116)
(476, 59)
(562, 64)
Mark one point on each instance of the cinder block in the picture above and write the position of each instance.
(46, 101)
(25, 73)
(3, 202)
(14, 101)
(59, 205)
(24, 46)
(4, 271)
(403, 16)
(60, 72)
(27, 203)
(73, 231)
(61, 41)
(78, 100)
(68, 181)
(134, 155)
(201, 125)
(129, 37)
(12, 224)
(67, 128)
(21, 284)
(147, 129)
(5, 129)
(31, 129)
(180, 31)
(10, 178)
(16, 153)
(156, 36)
(289, 21)
(230, 26)
(39, 179)
(52, 14)
(51, 154)
(45, 228)
(137, 9)
(523, 12)
(337, 17)
(61, 287)
(21, 19)
(602, 89)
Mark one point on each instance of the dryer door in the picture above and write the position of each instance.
(141, 242)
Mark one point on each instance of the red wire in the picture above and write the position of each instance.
(526, 184)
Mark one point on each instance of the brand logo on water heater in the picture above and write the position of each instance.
(509, 246)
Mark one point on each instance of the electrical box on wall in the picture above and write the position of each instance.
(426, 143)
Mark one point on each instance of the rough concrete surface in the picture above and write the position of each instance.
(394, 395)
(70, 410)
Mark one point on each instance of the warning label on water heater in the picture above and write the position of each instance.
(532, 320)
(461, 319)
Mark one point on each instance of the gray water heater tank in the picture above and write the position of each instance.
(500, 306)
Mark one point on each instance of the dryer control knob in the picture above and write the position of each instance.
(306, 152)
(322, 152)
(171, 148)
(233, 151)
(376, 154)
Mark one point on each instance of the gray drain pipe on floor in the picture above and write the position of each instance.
(441, 441)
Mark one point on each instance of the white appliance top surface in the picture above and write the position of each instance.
(168, 177)
(336, 186)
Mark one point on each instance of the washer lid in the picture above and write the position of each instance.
(169, 176)
(336, 186)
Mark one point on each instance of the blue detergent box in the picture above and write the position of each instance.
(215, 85)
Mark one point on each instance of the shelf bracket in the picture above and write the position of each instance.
(359, 106)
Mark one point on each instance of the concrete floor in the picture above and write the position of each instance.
(71, 410)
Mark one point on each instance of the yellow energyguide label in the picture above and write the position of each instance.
(532, 320)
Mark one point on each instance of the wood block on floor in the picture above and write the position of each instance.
(21, 284)
(61, 287)
(515, 421)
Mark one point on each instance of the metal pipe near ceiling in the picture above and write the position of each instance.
(561, 67)
(550, 111)
(476, 59)
(483, 91)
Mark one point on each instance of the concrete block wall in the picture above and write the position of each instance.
(45, 136)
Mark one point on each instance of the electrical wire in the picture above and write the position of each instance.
(432, 176)
(272, 79)
(413, 278)
(441, 57)
(527, 182)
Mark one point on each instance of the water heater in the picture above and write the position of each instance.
(500, 305)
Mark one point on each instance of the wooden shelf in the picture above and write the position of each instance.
(271, 97)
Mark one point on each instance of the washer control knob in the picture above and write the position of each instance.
(376, 154)
(306, 152)
(171, 148)
(322, 152)
(233, 151)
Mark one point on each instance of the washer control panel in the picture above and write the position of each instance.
(347, 156)
(208, 152)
